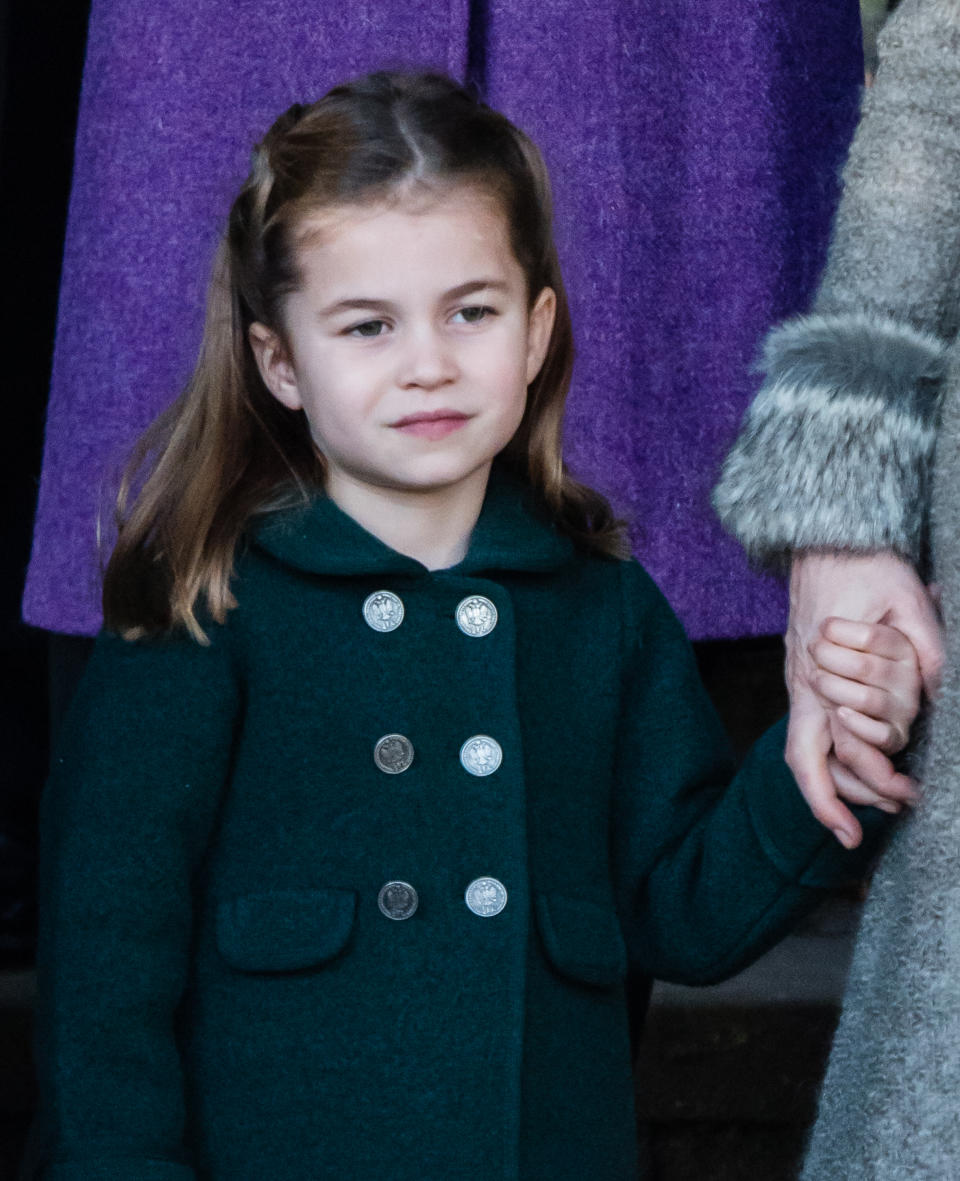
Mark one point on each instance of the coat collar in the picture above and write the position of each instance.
(512, 533)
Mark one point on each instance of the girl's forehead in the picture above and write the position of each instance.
(408, 209)
(443, 230)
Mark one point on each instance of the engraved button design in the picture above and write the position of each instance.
(393, 753)
(383, 611)
(476, 616)
(486, 897)
(398, 900)
(481, 755)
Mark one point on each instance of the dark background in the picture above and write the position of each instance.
(42, 46)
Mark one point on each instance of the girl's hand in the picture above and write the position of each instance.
(868, 588)
(868, 676)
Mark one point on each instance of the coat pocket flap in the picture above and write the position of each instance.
(282, 930)
(582, 939)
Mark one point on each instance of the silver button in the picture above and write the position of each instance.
(486, 897)
(397, 900)
(476, 616)
(383, 611)
(393, 753)
(481, 755)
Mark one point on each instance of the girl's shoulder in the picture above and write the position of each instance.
(173, 657)
(647, 614)
(144, 696)
(619, 598)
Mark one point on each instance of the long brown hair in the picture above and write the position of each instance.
(227, 450)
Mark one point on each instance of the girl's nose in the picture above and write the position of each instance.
(428, 361)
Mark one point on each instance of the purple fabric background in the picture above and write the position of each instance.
(695, 157)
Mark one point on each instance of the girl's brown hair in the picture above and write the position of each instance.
(227, 450)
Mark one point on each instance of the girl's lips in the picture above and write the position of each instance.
(435, 425)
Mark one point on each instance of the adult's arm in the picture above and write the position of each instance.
(836, 451)
(125, 821)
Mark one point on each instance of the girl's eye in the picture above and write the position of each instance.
(473, 315)
(368, 328)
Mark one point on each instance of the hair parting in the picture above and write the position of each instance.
(226, 450)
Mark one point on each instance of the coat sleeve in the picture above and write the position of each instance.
(125, 820)
(712, 866)
(836, 448)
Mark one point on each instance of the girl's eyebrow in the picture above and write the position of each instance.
(476, 285)
(354, 303)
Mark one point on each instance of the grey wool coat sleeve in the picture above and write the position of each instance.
(836, 449)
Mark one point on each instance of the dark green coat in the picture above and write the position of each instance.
(221, 996)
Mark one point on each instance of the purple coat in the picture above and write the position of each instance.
(695, 160)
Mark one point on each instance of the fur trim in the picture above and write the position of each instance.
(836, 449)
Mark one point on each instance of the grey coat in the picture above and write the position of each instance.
(858, 414)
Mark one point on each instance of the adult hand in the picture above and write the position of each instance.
(830, 761)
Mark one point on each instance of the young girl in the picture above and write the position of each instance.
(388, 768)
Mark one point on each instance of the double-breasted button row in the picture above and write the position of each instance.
(476, 615)
(484, 897)
(480, 755)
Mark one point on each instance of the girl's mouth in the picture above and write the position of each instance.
(433, 425)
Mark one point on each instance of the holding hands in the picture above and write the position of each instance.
(864, 642)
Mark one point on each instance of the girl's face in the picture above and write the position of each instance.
(410, 343)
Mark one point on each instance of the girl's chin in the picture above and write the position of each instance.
(415, 479)
(441, 477)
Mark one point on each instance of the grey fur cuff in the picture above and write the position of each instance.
(835, 451)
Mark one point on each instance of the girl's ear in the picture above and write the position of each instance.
(538, 330)
(274, 365)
